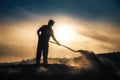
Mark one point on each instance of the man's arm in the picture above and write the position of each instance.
(53, 36)
(38, 31)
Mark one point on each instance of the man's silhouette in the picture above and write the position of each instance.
(43, 39)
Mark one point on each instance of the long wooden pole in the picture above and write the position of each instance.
(64, 46)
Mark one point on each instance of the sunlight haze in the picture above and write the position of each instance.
(79, 24)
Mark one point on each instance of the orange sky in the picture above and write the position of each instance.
(19, 39)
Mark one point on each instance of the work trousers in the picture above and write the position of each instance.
(42, 48)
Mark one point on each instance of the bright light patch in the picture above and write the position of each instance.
(64, 34)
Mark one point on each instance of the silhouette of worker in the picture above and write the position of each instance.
(44, 34)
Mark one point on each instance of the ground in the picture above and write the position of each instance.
(91, 67)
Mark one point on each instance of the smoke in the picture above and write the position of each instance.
(80, 62)
(42, 69)
(89, 61)
(89, 64)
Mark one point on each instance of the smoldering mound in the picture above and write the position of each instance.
(87, 66)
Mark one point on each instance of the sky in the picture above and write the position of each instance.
(80, 24)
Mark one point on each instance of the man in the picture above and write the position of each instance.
(43, 39)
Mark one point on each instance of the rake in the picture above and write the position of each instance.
(65, 47)
(88, 54)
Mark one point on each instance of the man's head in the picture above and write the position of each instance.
(51, 22)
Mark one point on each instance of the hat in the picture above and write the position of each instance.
(51, 21)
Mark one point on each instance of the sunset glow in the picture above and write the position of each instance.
(79, 24)
(64, 33)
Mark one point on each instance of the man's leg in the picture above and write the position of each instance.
(45, 55)
(38, 54)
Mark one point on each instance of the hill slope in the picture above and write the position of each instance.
(89, 66)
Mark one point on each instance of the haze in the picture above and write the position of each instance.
(79, 24)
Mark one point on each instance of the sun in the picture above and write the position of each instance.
(64, 34)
